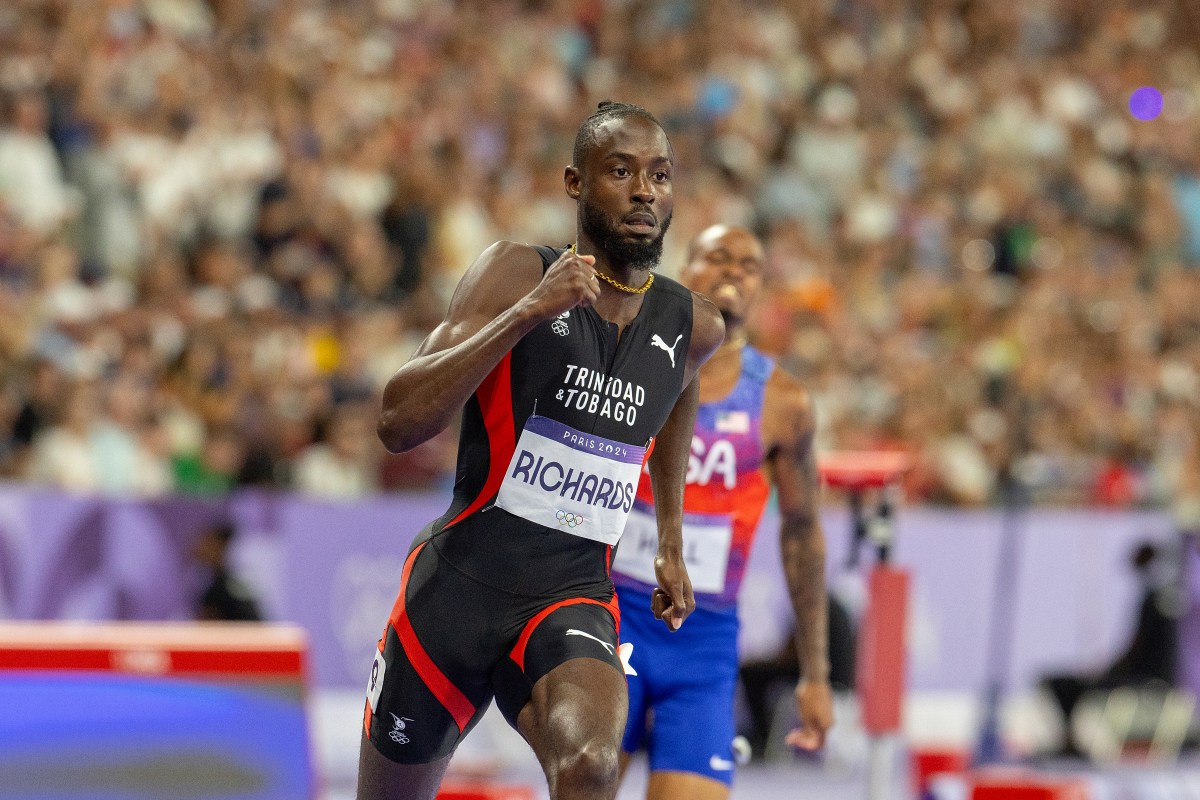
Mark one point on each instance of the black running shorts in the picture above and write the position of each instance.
(451, 644)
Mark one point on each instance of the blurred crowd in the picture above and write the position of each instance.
(225, 223)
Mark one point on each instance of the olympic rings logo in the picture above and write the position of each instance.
(569, 519)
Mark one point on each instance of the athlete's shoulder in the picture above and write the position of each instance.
(671, 290)
(501, 275)
(708, 326)
(505, 260)
(511, 253)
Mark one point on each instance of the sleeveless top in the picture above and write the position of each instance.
(571, 394)
(723, 500)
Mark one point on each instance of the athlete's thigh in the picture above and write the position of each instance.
(684, 786)
(429, 683)
(635, 725)
(645, 634)
(547, 638)
(579, 704)
(693, 730)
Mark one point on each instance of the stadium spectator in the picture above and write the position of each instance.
(225, 202)
(225, 596)
(339, 466)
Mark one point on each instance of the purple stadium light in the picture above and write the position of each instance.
(1146, 103)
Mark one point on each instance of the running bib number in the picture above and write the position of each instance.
(706, 543)
(576, 482)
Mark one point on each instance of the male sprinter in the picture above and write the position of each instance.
(754, 428)
(568, 364)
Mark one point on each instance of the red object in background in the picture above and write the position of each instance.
(881, 661)
(1116, 485)
(855, 470)
(216, 650)
(1027, 786)
(484, 791)
(929, 762)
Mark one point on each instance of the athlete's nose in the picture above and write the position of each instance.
(734, 270)
(642, 191)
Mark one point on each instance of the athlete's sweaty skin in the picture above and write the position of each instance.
(575, 715)
(725, 263)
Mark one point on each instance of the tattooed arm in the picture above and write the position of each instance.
(788, 430)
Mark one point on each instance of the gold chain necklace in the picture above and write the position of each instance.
(617, 284)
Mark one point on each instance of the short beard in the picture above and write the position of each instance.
(636, 254)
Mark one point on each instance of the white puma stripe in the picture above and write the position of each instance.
(657, 341)
(607, 646)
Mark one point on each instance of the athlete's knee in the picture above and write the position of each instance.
(593, 764)
(583, 755)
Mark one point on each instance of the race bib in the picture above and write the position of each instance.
(706, 542)
(577, 482)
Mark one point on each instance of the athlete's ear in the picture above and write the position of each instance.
(572, 180)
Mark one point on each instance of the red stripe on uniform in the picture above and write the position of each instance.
(449, 695)
(649, 450)
(613, 606)
(495, 403)
(518, 652)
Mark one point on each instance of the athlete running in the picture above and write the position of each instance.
(572, 367)
(754, 428)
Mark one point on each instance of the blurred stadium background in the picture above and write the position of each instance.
(224, 223)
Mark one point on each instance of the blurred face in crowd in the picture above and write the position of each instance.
(725, 265)
(80, 410)
(624, 191)
(29, 114)
(46, 383)
(222, 453)
(350, 436)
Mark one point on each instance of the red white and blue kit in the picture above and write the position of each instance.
(513, 579)
(688, 677)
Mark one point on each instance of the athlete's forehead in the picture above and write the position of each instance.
(737, 242)
(630, 137)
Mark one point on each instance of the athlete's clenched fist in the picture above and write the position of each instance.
(570, 281)
(673, 599)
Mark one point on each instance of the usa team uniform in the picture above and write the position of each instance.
(513, 580)
(687, 677)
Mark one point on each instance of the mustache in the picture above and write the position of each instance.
(643, 210)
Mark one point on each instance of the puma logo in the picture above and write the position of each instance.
(657, 341)
(606, 645)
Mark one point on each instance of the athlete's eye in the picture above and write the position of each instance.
(621, 172)
(662, 175)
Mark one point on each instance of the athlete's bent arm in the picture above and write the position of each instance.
(673, 599)
(499, 300)
(802, 543)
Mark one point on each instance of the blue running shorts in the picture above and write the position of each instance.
(681, 700)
